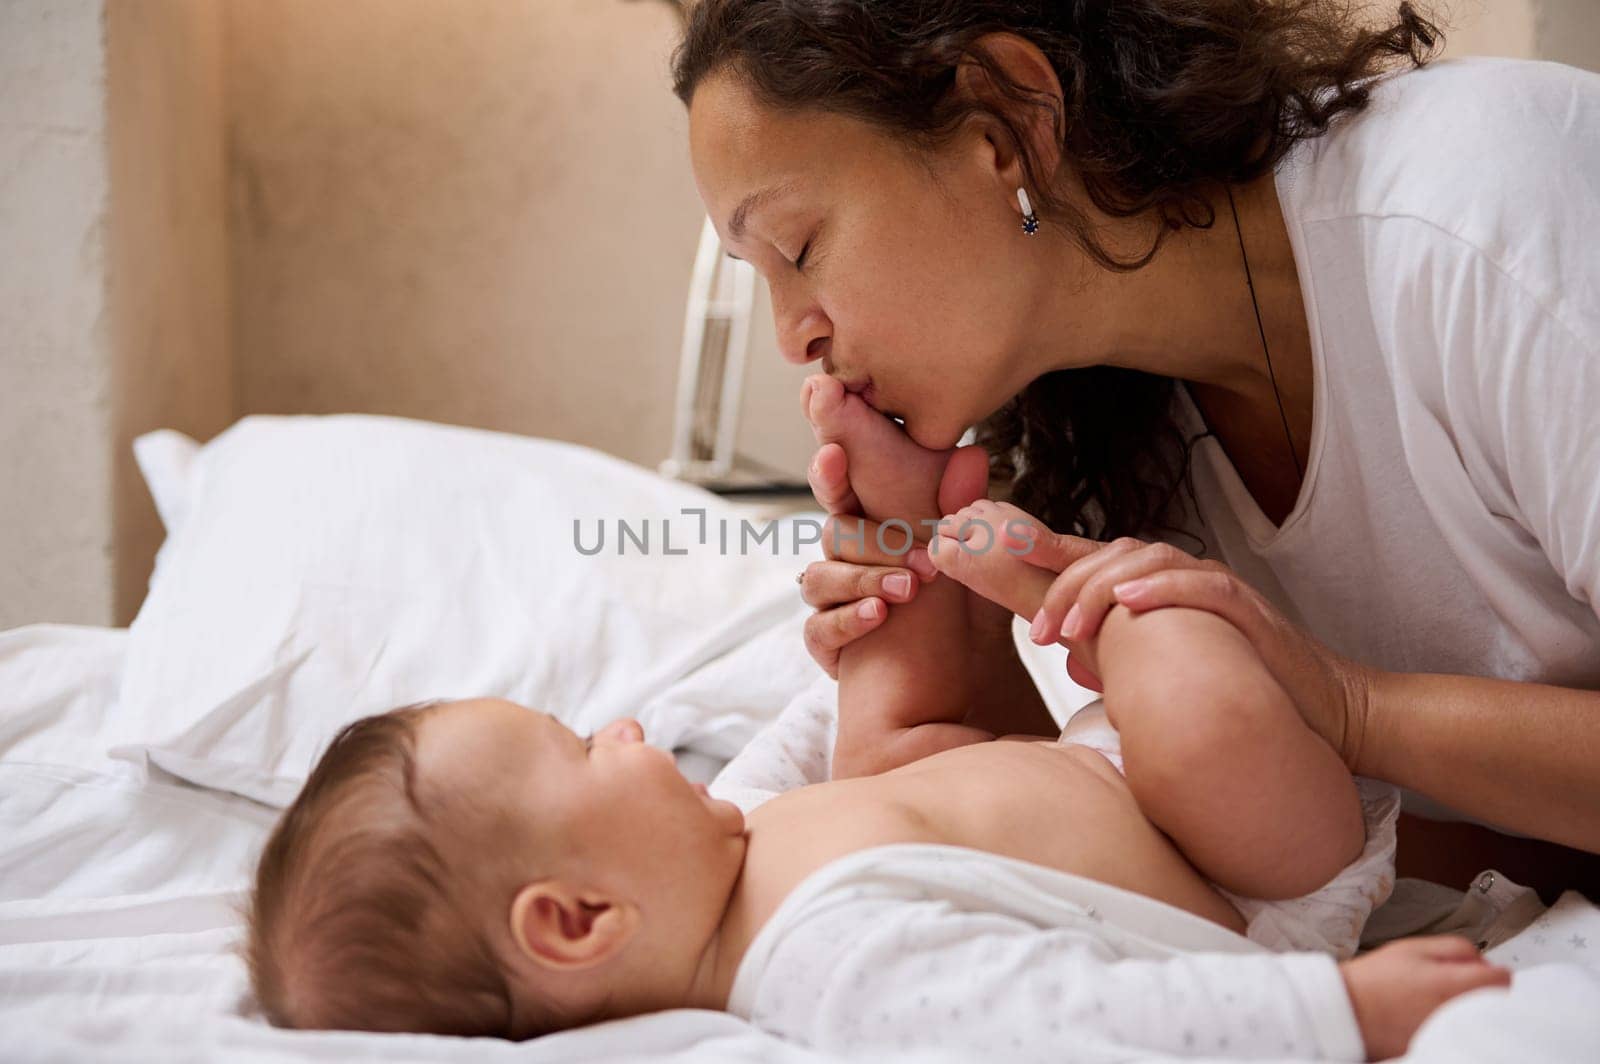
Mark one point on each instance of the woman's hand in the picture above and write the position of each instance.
(1330, 691)
(1396, 987)
(852, 589)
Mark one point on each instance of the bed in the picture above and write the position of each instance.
(320, 568)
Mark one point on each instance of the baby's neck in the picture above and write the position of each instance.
(786, 839)
(723, 953)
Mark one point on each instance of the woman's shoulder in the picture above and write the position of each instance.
(1449, 138)
(1480, 163)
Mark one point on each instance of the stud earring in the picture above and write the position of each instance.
(1030, 221)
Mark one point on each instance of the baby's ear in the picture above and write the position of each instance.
(561, 926)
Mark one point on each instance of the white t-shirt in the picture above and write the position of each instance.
(1449, 519)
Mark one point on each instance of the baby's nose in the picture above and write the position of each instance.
(624, 730)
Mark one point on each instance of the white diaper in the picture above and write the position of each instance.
(1329, 919)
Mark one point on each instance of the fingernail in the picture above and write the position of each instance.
(1129, 589)
(1069, 627)
(1037, 629)
(868, 610)
(919, 563)
(897, 585)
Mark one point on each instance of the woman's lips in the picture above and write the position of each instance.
(869, 395)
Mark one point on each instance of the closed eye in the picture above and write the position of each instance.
(800, 259)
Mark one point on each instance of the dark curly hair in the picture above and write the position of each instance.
(1163, 100)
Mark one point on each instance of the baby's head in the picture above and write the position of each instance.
(477, 868)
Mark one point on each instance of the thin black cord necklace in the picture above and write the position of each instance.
(1249, 281)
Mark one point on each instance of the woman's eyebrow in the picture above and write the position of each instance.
(751, 202)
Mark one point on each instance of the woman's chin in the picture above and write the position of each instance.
(931, 438)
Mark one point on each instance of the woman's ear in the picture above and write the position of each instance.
(1031, 71)
(561, 926)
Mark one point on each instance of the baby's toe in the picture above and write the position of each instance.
(824, 406)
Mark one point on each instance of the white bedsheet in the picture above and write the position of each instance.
(120, 896)
(119, 901)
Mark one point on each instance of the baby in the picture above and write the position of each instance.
(477, 868)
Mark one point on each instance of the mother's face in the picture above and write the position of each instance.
(920, 285)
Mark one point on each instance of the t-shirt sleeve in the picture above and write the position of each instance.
(896, 975)
(1521, 380)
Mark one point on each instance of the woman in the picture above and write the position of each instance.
(1211, 273)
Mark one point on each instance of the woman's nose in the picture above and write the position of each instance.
(800, 356)
(805, 341)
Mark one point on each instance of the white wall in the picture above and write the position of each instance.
(56, 529)
(113, 293)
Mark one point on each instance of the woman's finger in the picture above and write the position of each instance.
(1051, 550)
(1098, 593)
(826, 584)
(1061, 596)
(827, 631)
(1329, 690)
(864, 541)
(1216, 590)
(829, 478)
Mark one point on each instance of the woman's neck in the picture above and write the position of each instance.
(1188, 314)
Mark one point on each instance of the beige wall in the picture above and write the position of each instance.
(167, 281)
(475, 211)
(1488, 27)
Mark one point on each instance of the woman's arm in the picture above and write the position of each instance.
(1520, 755)
(1525, 756)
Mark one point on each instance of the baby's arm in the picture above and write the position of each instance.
(1215, 750)
(888, 973)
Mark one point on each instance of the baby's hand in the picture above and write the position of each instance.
(984, 546)
(1397, 986)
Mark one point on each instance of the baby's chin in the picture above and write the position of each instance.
(728, 815)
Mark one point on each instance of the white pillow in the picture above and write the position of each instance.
(322, 568)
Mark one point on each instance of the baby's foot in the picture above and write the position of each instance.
(891, 474)
(980, 546)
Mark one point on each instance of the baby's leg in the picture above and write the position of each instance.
(1220, 759)
(1215, 750)
(909, 688)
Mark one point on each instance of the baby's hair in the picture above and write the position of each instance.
(357, 920)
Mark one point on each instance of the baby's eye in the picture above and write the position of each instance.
(588, 745)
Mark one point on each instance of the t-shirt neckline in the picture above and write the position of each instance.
(1258, 527)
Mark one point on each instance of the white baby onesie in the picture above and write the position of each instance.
(926, 948)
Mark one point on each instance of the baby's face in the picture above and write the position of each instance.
(611, 811)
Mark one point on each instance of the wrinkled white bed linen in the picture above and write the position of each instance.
(119, 902)
(121, 876)
(118, 899)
